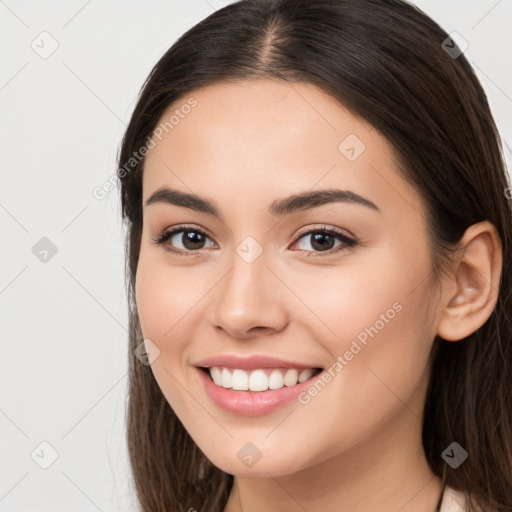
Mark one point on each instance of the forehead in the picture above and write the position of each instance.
(239, 121)
(269, 138)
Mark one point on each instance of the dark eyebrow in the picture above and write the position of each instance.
(307, 200)
(280, 207)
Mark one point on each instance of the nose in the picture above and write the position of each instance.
(248, 300)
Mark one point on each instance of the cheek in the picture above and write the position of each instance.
(165, 307)
(381, 364)
(167, 302)
(374, 317)
(377, 294)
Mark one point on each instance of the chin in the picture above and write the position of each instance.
(270, 465)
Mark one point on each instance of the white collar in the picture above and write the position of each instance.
(453, 500)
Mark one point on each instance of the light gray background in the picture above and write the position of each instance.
(63, 322)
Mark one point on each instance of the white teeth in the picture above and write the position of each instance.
(226, 378)
(291, 378)
(258, 380)
(305, 374)
(216, 375)
(275, 380)
(240, 380)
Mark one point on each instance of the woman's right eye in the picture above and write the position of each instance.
(191, 239)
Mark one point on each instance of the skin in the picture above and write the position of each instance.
(356, 446)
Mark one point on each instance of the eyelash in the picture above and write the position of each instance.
(348, 243)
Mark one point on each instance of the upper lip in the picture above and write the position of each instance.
(250, 363)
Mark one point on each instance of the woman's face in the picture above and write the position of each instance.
(261, 274)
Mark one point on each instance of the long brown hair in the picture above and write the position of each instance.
(389, 63)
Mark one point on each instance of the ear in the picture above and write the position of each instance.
(470, 296)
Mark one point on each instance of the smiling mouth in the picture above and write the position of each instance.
(260, 379)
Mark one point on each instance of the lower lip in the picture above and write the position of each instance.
(252, 403)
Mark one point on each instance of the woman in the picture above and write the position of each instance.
(318, 267)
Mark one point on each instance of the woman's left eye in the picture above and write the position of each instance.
(321, 240)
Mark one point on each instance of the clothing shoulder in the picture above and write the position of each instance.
(453, 500)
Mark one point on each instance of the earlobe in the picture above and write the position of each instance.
(472, 292)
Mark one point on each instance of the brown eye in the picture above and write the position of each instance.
(191, 240)
(324, 241)
(182, 239)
